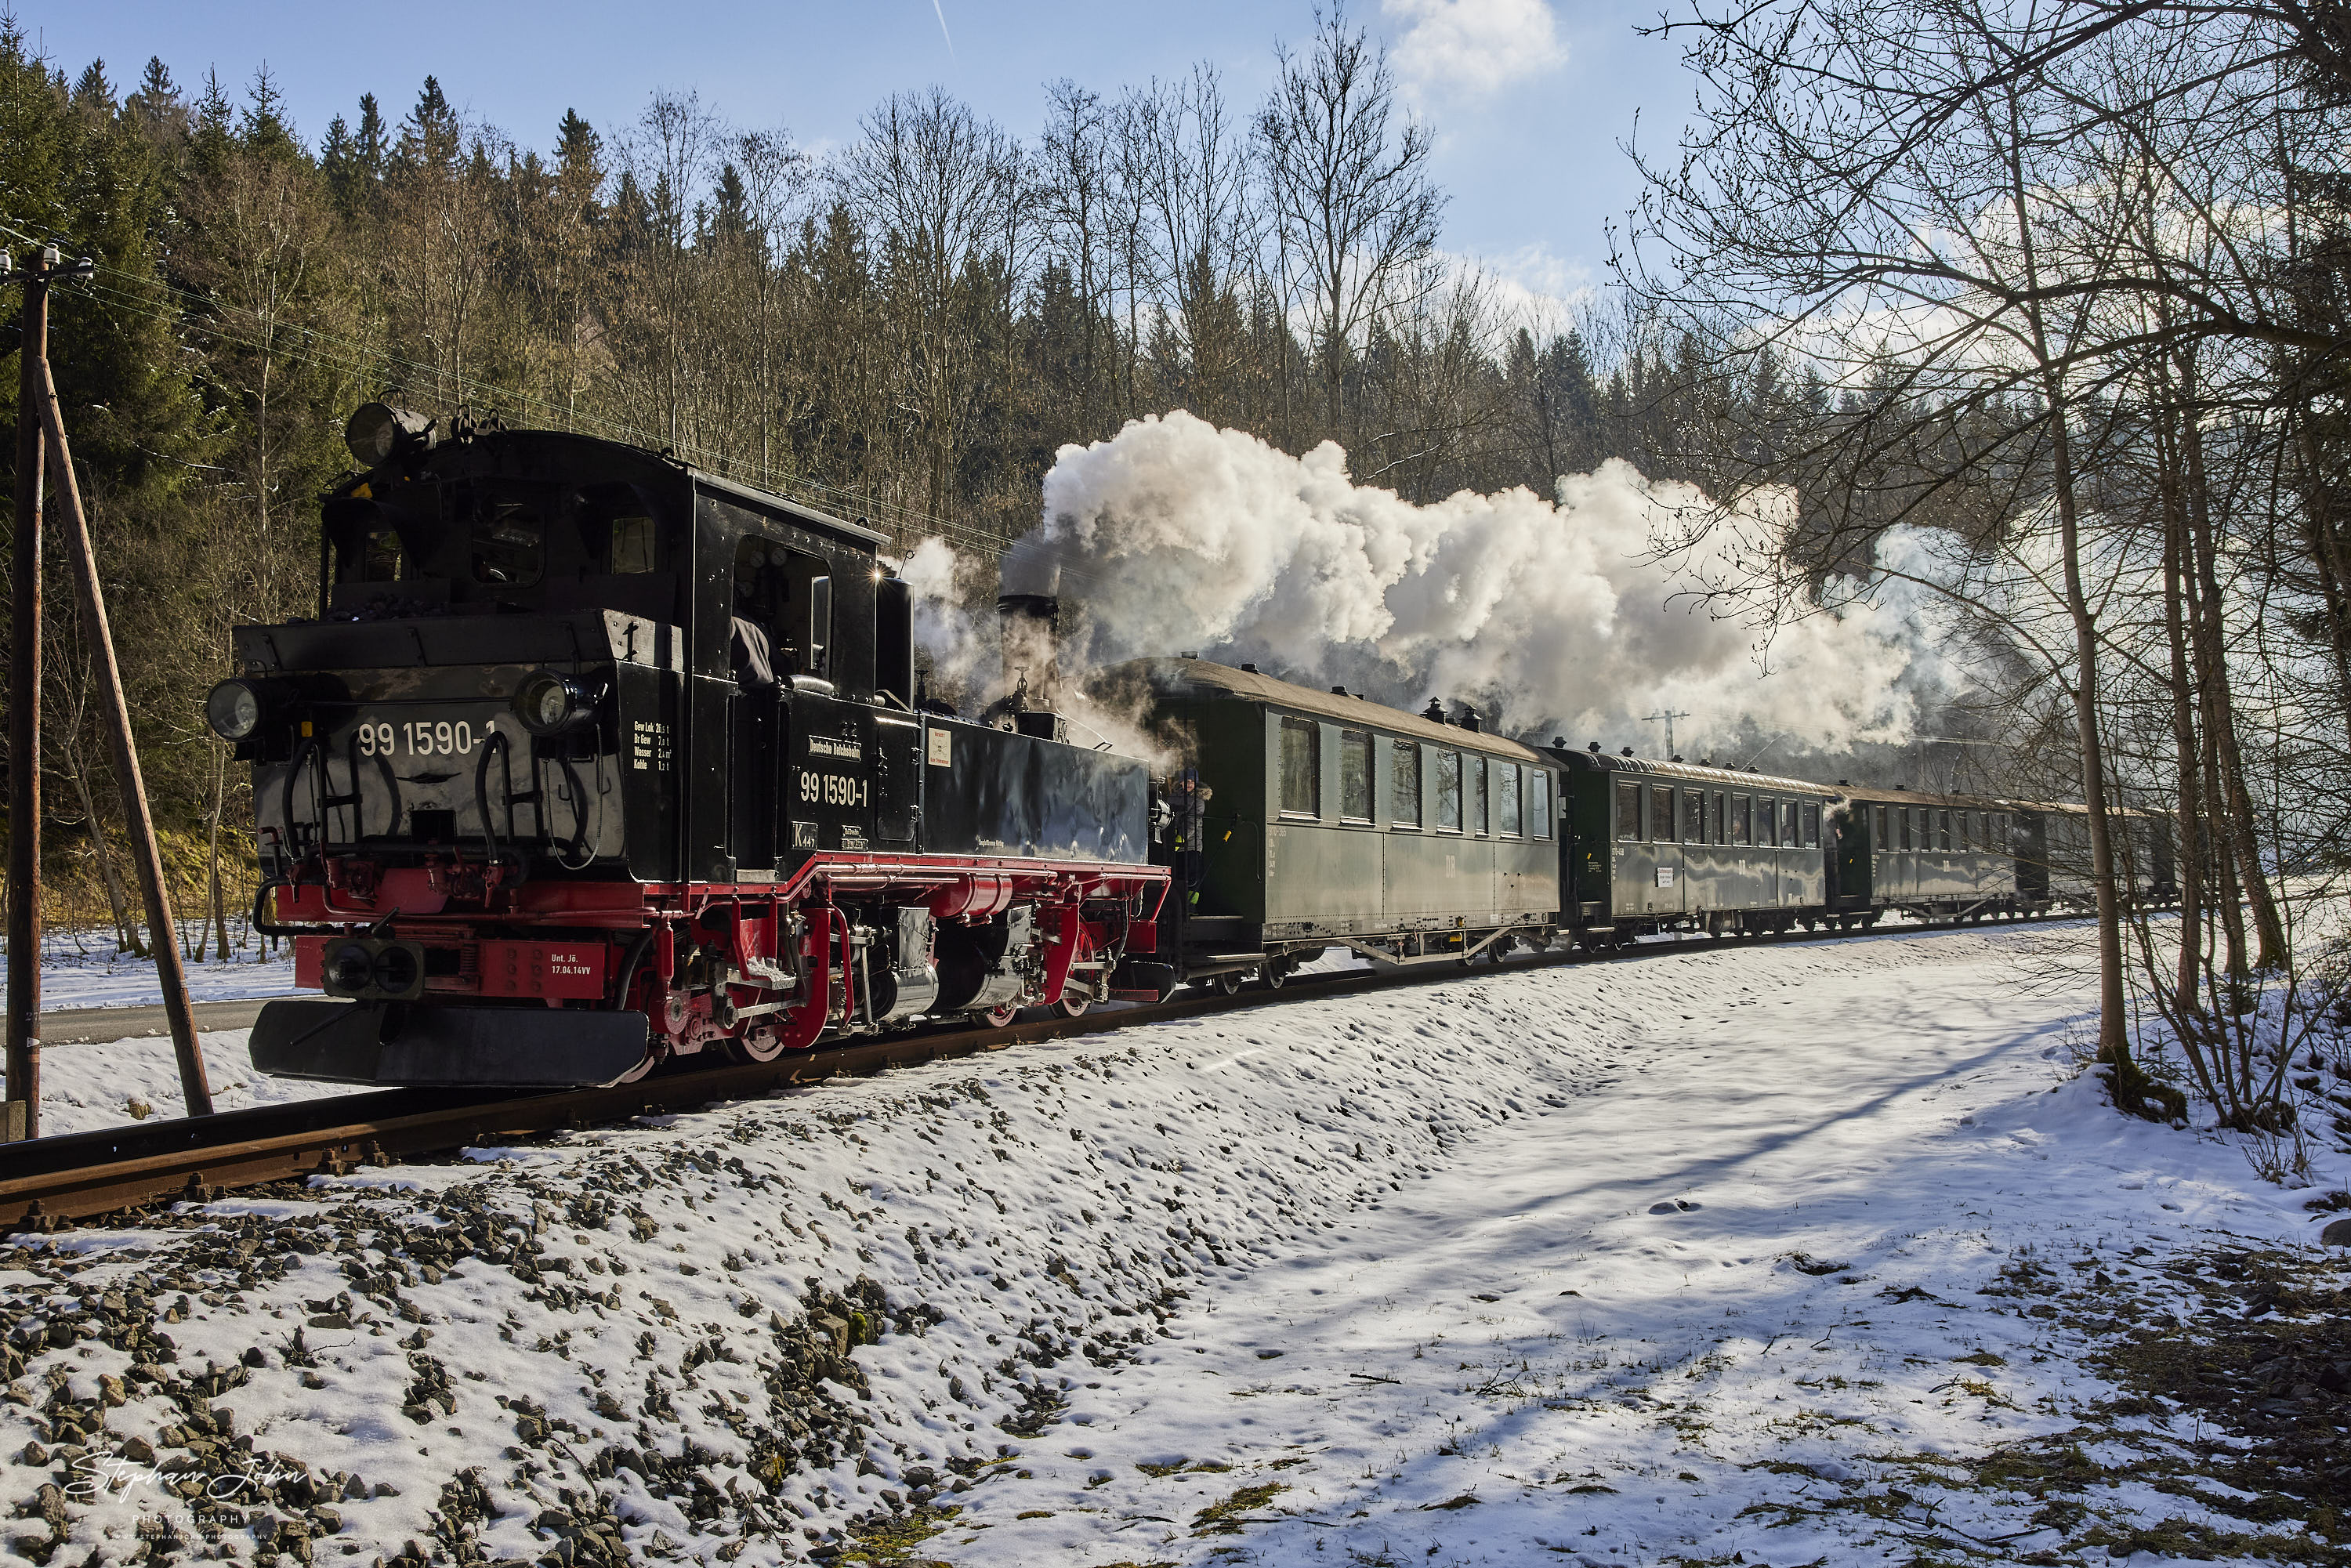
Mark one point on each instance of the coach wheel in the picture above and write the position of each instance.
(1229, 983)
(1274, 976)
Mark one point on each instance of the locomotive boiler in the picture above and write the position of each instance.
(593, 759)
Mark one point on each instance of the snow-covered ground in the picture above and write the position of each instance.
(1724, 1254)
(80, 968)
(88, 1086)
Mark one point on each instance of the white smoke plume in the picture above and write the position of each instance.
(1177, 536)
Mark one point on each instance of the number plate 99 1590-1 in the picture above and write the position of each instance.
(421, 736)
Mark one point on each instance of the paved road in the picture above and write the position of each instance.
(93, 1026)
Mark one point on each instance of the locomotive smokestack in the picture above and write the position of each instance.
(1030, 625)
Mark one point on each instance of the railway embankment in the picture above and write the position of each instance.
(1809, 1252)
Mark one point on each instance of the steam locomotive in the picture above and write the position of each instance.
(594, 760)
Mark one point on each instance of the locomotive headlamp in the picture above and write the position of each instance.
(377, 430)
(349, 968)
(397, 971)
(366, 969)
(548, 702)
(234, 709)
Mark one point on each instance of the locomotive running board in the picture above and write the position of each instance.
(420, 1044)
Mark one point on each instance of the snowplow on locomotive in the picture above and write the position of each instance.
(593, 759)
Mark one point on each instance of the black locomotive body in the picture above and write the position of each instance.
(594, 758)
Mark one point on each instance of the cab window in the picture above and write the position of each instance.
(510, 543)
(788, 596)
(629, 549)
(381, 556)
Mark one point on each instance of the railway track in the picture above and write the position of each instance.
(48, 1182)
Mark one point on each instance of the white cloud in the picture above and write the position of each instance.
(1533, 287)
(1473, 46)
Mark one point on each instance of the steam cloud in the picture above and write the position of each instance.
(1177, 536)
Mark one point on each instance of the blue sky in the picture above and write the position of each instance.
(1530, 98)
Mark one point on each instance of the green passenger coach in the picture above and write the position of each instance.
(1307, 821)
(1673, 846)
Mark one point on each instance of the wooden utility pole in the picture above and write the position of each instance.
(22, 1116)
(163, 929)
(40, 432)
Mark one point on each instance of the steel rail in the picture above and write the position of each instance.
(49, 1181)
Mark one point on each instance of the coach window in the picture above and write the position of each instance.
(1967, 839)
(1403, 784)
(1885, 828)
(1302, 767)
(1661, 813)
(1788, 835)
(1506, 799)
(1448, 793)
(1742, 819)
(1479, 820)
(1943, 828)
(1693, 816)
(1812, 824)
(1629, 810)
(1537, 804)
(1355, 775)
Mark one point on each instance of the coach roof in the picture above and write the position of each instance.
(1200, 678)
(1699, 773)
